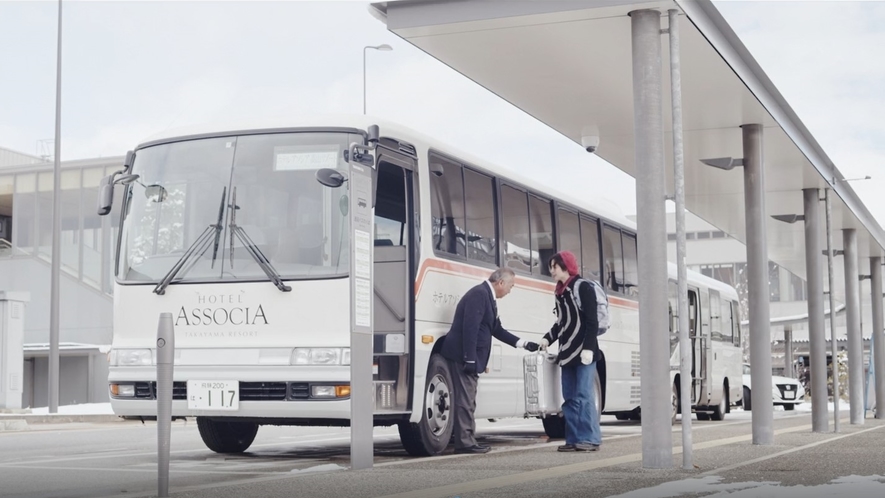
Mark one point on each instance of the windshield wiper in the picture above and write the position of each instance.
(199, 247)
(251, 247)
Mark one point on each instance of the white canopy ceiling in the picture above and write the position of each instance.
(569, 64)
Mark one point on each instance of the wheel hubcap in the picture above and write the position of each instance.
(437, 401)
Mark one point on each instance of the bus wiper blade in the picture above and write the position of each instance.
(218, 226)
(198, 248)
(252, 248)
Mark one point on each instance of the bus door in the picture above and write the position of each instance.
(695, 339)
(701, 347)
(394, 251)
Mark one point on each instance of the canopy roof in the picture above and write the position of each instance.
(569, 64)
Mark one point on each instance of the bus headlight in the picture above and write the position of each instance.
(320, 356)
(131, 357)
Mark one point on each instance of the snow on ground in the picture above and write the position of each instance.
(84, 409)
(712, 487)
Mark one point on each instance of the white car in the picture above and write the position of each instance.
(785, 391)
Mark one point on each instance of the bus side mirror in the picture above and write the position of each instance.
(330, 177)
(106, 195)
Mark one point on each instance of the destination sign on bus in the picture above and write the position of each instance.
(306, 158)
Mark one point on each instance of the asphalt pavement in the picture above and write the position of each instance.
(725, 461)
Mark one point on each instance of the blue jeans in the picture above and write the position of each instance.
(579, 408)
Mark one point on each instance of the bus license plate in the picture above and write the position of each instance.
(213, 395)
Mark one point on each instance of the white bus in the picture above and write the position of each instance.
(228, 229)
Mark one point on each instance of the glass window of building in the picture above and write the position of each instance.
(774, 282)
(24, 217)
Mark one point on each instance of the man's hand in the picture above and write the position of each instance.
(531, 346)
(543, 345)
(586, 357)
(470, 367)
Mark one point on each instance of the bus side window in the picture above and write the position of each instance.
(479, 195)
(692, 312)
(631, 266)
(447, 207)
(569, 234)
(590, 249)
(390, 207)
(613, 257)
(515, 223)
(541, 221)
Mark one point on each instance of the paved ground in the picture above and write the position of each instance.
(121, 462)
(725, 459)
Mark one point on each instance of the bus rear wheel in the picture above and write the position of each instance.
(721, 409)
(431, 435)
(226, 437)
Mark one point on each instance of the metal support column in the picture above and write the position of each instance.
(833, 343)
(788, 352)
(682, 274)
(878, 337)
(648, 124)
(852, 322)
(757, 268)
(55, 267)
(817, 341)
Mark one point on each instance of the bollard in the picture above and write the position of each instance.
(165, 361)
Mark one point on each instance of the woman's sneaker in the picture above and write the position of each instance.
(567, 447)
(586, 447)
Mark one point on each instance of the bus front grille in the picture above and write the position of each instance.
(262, 391)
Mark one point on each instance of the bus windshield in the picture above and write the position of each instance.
(229, 202)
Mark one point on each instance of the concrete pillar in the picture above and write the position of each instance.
(12, 330)
(757, 268)
(852, 323)
(877, 335)
(648, 127)
(817, 341)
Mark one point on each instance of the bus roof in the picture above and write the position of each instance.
(598, 206)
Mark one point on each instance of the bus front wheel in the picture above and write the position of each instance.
(431, 435)
(226, 437)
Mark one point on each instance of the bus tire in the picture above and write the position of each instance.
(431, 435)
(747, 401)
(554, 426)
(721, 409)
(226, 437)
(675, 403)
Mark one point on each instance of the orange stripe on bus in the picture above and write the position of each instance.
(454, 268)
(461, 269)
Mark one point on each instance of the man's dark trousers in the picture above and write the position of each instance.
(464, 405)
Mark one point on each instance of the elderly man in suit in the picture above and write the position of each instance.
(467, 348)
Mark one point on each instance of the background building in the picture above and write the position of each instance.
(713, 253)
(87, 258)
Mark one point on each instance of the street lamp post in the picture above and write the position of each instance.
(384, 48)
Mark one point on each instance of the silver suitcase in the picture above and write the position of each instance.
(543, 388)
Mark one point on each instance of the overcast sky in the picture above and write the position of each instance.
(133, 68)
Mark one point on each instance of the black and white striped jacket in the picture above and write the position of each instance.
(575, 329)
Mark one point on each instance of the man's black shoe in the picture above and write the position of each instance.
(473, 450)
